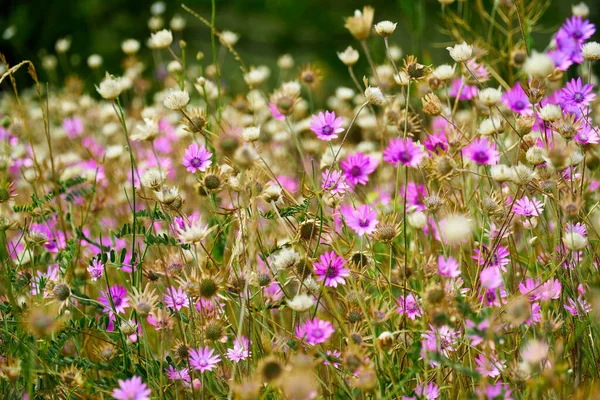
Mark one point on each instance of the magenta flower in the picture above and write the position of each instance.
(204, 359)
(96, 269)
(414, 195)
(315, 331)
(330, 269)
(333, 182)
(496, 391)
(499, 259)
(436, 142)
(489, 367)
(131, 389)
(490, 277)
(362, 220)
(357, 168)
(275, 112)
(119, 299)
(73, 127)
(197, 158)
(240, 350)
(528, 207)
(332, 357)
(448, 267)
(482, 152)
(177, 375)
(326, 126)
(517, 100)
(578, 28)
(468, 92)
(576, 94)
(403, 151)
(176, 298)
(427, 392)
(410, 305)
(439, 340)
(586, 135)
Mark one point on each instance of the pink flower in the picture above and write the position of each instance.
(410, 305)
(528, 207)
(576, 94)
(362, 220)
(240, 350)
(315, 331)
(439, 340)
(517, 100)
(357, 168)
(204, 359)
(330, 269)
(131, 389)
(403, 151)
(326, 126)
(119, 299)
(176, 298)
(448, 267)
(197, 158)
(482, 152)
(427, 392)
(490, 277)
(489, 367)
(96, 269)
(333, 182)
(275, 112)
(73, 127)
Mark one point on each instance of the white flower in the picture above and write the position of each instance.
(490, 126)
(228, 37)
(94, 61)
(63, 45)
(251, 134)
(256, 76)
(177, 23)
(502, 173)
(385, 28)
(455, 229)
(534, 352)
(580, 10)
(130, 46)
(344, 93)
(444, 72)
(176, 100)
(490, 96)
(574, 241)
(194, 232)
(395, 53)
(417, 219)
(349, 56)
(285, 259)
(110, 87)
(536, 155)
(375, 96)
(158, 8)
(174, 67)
(301, 302)
(460, 52)
(114, 151)
(167, 195)
(161, 39)
(591, 51)
(538, 65)
(147, 131)
(153, 178)
(550, 112)
(273, 194)
(286, 61)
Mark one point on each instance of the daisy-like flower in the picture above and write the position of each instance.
(177, 374)
(119, 299)
(194, 231)
(575, 237)
(482, 152)
(517, 100)
(489, 367)
(330, 269)
(176, 298)
(204, 359)
(240, 350)
(448, 267)
(490, 277)
(331, 358)
(410, 305)
(357, 168)
(440, 340)
(586, 135)
(197, 158)
(429, 392)
(578, 28)
(96, 269)
(403, 151)
(576, 94)
(334, 183)
(326, 126)
(362, 220)
(500, 258)
(315, 331)
(498, 390)
(131, 389)
(528, 207)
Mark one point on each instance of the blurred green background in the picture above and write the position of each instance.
(310, 30)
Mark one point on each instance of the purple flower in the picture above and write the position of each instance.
(414, 195)
(326, 126)
(197, 158)
(576, 94)
(403, 151)
(362, 220)
(331, 270)
(517, 100)
(436, 142)
(496, 391)
(334, 182)
(500, 258)
(119, 299)
(578, 307)
(177, 375)
(482, 151)
(409, 305)
(439, 340)
(240, 350)
(176, 298)
(315, 331)
(528, 207)
(357, 168)
(131, 389)
(73, 127)
(448, 267)
(490, 277)
(467, 93)
(428, 392)
(578, 29)
(331, 358)
(489, 367)
(275, 112)
(587, 135)
(204, 359)
(96, 269)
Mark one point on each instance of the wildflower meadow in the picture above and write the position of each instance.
(425, 230)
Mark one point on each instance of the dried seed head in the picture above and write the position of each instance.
(214, 331)
(354, 315)
(304, 269)
(432, 104)
(208, 288)
(270, 369)
(61, 292)
(524, 124)
(433, 202)
(444, 165)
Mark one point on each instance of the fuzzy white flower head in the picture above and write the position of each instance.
(375, 96)
(490, 96)
(285, 259)
(167, 195)
(286, 61)
(174, 67)
(445, 72)
(161, 39)
(153, 178)
(251, 133)
(147, 131)
(591, 51)
(538, 65)
(417, 219)
(94, 61)
(534, 352)
(461, 52)
(256, 76)
(176, 100)
(580, 10)
(155, 23)
(158, 8)
(301, 302)
(523, 174)
(63, 45)
(344, 93)
(550, 112)
(349, 56)
(536, 155)
(110, 88)
(456, 229)
(401, 78)
(130, 46)
(385, 28)
(229, 38)
(177, 23)
(490, 126)
(574, 241)
(194, 232)
(395, 53)
(273, 194)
